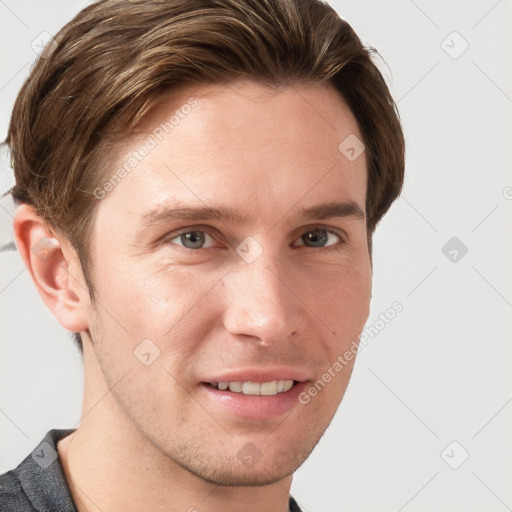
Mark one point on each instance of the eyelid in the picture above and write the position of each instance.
(331, 229)
(341, 233)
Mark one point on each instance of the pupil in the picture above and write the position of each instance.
(315, 237)
(192, 240)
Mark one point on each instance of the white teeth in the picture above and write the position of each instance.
(250, 388)
(269, 388)
(255, 388)
(236, 387)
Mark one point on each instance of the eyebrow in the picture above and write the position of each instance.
(331, 210)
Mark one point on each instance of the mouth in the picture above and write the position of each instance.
(253, 400)
(270, 388)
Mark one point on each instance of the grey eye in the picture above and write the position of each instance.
(192, 239)
(318, 237)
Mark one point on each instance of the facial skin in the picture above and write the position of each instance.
(155, 430)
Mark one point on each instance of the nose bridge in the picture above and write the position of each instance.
(259, 301)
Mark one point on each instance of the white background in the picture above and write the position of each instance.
(440, 371)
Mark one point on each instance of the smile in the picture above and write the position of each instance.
(255, 388)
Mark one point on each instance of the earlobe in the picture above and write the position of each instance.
(54, 268)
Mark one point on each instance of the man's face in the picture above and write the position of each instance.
(270, 296)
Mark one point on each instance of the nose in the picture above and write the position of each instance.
(262, 302)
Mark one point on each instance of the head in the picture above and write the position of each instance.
(257, 112)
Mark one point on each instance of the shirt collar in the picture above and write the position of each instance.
(42, 477)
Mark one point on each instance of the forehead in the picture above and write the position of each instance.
(259, 149)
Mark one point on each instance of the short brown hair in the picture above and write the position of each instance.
(117, 58)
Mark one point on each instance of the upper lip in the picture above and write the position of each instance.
(258, 375)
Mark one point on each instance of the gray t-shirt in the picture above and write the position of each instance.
(38, 483)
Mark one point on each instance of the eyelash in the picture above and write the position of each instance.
(336, 247)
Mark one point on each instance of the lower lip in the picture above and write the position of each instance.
(256, 406)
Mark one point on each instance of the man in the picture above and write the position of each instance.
(198, 185)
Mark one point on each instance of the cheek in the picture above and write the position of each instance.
(153, 301)
(138, 292)
(344, 304)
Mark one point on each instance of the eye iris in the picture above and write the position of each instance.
(195, 238)
(316, 238)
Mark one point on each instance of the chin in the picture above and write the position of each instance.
(230, 477)
(241, 470)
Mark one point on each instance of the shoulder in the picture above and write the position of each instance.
(12, 496)
(38, 484)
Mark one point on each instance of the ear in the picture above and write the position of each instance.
(54, 267)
